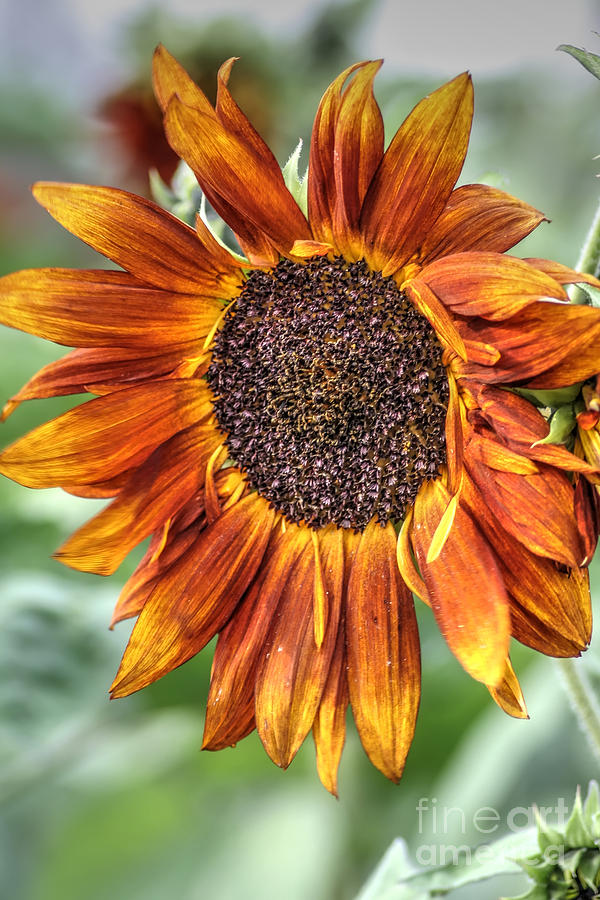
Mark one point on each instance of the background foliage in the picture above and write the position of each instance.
(102, 800)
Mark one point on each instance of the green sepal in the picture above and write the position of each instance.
(562, 423)
(547, 836)
(577, 833)
(553, 397)
(591, 810)
(296, 185)
(538, 870)
(588, 60)
(589, 867)
(592, 293)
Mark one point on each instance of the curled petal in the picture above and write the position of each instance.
(537, 509)
(550, 598)
(561, 274)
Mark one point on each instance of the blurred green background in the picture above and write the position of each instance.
(102, 800)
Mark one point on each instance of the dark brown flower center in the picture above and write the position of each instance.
(331, 390)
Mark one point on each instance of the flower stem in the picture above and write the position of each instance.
(589, 258)
(583, 701)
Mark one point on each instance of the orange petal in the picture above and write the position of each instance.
(195, 599)
(294, 671)
(98, 308)
(561, 274)
(522, 426)
(76, 372)
(415, 178)
(465, 586)
(321, 170)
(384, 678)
(544, 593)
(358, 150)
(227, 167)
(329, 726)
(169, 78)
(106, 436)
(242, 644)
(496, 456)
(490, 285)
(479, 217)
(156, 491)
(436, 314)
(536, 509)
(454, 431)
(532, 632)
(404, 556)
(587, 514)
(151, 569)
(546, 344)
(139, 235)
(508, 694)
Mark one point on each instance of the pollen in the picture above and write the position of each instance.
(331, 390)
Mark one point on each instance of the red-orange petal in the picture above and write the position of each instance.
(140, 236)
(294, 670)
(105, 436)
(508, 694)
(384, 677)
(436, 314)
(478, 283)
(547, 344)
(537, 509)
(197, 596)
(156, 491)
(226, 167)
(321, 188)
(358, 150)
(522, 426)
(329, 726)
(242, 644)
(465, 586)
(587, 515)
(417, 173)
(169, 78)
(99, 308)
(561, 274)
(479, 217)
(548, 596)
(80, 370)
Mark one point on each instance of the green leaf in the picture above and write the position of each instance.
(589, 867)
(588, 60)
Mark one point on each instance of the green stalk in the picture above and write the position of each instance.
(583, 701)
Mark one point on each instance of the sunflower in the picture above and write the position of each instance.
(317, 428)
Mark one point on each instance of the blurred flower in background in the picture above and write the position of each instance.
(115, 800)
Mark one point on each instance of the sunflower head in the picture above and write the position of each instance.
(315, 428)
